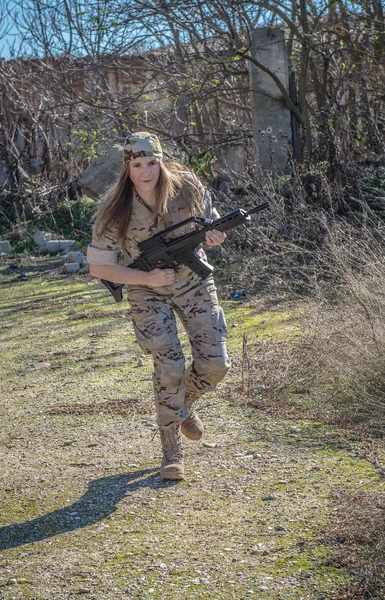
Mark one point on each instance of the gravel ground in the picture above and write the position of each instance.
(84, 511)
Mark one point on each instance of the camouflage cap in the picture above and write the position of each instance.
(142, 144)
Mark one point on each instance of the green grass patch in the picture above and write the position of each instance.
(84, 511)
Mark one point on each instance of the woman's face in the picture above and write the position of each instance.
(144, 174)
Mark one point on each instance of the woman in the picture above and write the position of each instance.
(148, 197)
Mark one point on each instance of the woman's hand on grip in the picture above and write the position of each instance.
(161, 277)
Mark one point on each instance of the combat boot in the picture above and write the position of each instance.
(172, 462)
(192, 426)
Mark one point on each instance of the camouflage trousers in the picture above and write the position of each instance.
(153, 315)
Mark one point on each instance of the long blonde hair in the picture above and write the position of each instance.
(174, 180)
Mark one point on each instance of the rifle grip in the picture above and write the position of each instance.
(198, 265)
(114, 288)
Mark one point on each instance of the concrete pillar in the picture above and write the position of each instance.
(271, 117)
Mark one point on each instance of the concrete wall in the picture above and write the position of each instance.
(271, 118)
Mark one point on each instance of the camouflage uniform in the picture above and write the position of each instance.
(153, 313)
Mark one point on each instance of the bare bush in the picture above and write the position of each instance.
(345, 344)
(336, 260)
(358, 532)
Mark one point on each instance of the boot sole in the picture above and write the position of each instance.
(192, 430)
(196, 438)
(173, 475)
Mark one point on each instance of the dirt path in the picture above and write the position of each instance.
(83, 509)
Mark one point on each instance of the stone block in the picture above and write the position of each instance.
(76, 257)
(40, 238)
(102, 172)
(5, 247)
(71, 267)
(55, 246)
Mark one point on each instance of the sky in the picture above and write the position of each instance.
(12, 36)
(6, 43)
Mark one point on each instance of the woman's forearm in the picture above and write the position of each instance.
(119, 274)
(122, 274)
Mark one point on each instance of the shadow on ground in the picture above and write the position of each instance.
(98, 502)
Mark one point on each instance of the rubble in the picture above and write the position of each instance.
(45, 244)
(76, 262)
(5, 247)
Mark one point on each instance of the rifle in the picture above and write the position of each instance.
(158, 252)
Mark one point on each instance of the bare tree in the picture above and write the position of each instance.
(102, 68)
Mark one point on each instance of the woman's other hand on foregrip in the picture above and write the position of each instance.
(215, 237)
(161, 277)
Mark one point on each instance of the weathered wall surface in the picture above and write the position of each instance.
(271, 118)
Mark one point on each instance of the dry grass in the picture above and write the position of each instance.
(331, 262)
(334, 374)
(359, 532)
(322, 241)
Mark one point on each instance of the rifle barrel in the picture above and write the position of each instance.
(258, 208)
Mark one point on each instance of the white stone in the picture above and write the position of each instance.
(40, 238)
(71, 267)
(78, 257)
(55, 246)
(42, 365)
(5, 247)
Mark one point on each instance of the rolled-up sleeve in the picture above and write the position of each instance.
(103, 250)
(99, 256)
